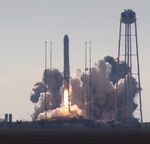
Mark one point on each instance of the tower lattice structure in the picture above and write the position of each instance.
(128, 52)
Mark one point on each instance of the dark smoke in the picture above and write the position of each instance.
(118, 71)
(38, 88)
(38, 94)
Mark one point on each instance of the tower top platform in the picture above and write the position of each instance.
(128, 17)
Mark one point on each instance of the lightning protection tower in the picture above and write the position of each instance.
(128, 49)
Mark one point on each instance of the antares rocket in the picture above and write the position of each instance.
(66, 62)
(67, 68)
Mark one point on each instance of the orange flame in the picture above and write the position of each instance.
(66, 97)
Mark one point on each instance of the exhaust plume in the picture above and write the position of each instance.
(104, 75)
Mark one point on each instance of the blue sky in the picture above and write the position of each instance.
(26, 24)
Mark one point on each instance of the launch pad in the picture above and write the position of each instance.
(104, 92)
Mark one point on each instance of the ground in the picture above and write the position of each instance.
(74, 136)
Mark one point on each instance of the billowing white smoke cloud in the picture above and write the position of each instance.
(62, 112)
(104, 75)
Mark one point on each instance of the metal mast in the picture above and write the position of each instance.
(90, 80)
(85, 80)
(45, 76)
(130, 53)
(50, 76)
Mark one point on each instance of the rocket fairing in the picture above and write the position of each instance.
(66, 62)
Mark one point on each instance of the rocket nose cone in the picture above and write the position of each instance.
(66, 38)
